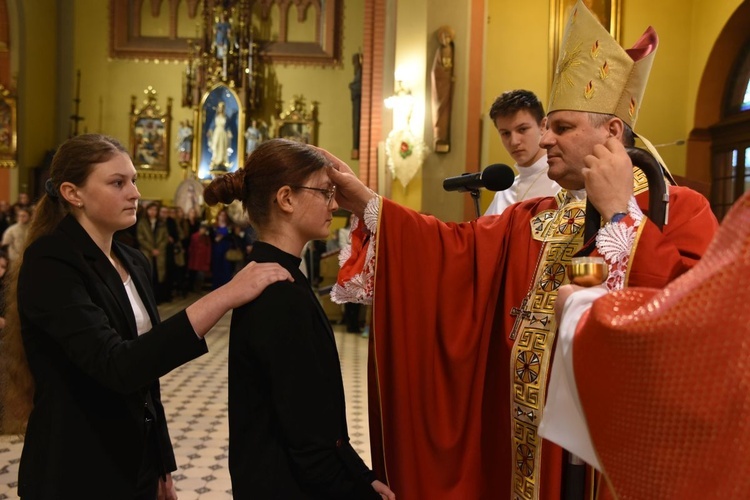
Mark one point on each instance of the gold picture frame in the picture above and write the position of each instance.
(299, 123)
(607, 11)
(8, 129)
(150, 131)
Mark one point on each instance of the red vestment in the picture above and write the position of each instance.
(442, 356)
(663, 377)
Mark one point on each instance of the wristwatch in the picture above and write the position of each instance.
(617, 217)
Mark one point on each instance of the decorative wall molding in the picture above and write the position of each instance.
(273, 16)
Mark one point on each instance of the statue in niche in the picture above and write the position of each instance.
(253, 136)
(219, 139)
(185, 142)
(355, 88)
(222, 39)
(442, 89)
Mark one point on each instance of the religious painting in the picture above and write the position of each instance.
(221, 150)
(150, 135)
(299, 132)
(606, 11)
(8, 131)
(299, 123)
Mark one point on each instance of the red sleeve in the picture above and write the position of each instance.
(662, 375)
(436, 290)
(661, 256)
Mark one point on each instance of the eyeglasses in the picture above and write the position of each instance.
(328, 193)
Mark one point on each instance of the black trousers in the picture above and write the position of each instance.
(148, 476)
(351, 317)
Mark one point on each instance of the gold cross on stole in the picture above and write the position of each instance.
(520, 314)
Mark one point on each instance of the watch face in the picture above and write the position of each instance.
(618, 217)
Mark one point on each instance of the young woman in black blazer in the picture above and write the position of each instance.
(83, 337)
(288, 437)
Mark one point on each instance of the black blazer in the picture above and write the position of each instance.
(287, 422)
(96, 379)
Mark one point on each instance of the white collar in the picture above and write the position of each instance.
(533, 169)
(578, 194)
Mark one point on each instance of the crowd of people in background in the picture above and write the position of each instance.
(188, 253)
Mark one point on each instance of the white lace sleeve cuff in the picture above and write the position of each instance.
(615, 243)
(361, 286)
(372, 212)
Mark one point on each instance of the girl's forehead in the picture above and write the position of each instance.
(320, 175)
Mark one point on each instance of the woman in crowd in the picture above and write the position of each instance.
(199, 262)
(86, 341)
(181, 244)
(287, 427)
(153, 239)
(221, 268)
(14, 238)
(194, 220)
(193, 225)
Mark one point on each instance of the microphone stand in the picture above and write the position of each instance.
(475, 196)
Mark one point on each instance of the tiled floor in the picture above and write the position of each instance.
(195, 398)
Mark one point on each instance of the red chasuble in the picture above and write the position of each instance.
(664, 381)
(445, 369)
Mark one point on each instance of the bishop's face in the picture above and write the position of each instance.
(569, 138)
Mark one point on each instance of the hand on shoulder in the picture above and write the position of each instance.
(253, 279)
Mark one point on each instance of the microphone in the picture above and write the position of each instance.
(497, 177)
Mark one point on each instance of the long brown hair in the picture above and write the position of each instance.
(271, 165)
(72, 163)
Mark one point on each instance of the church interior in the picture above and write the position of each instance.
(353, 77)
(84, 67)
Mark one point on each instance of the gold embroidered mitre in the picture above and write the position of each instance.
(595, 74)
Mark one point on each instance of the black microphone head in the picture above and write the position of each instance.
(498, 177)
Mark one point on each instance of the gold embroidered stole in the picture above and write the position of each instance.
(640, 183)
(561, 234)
